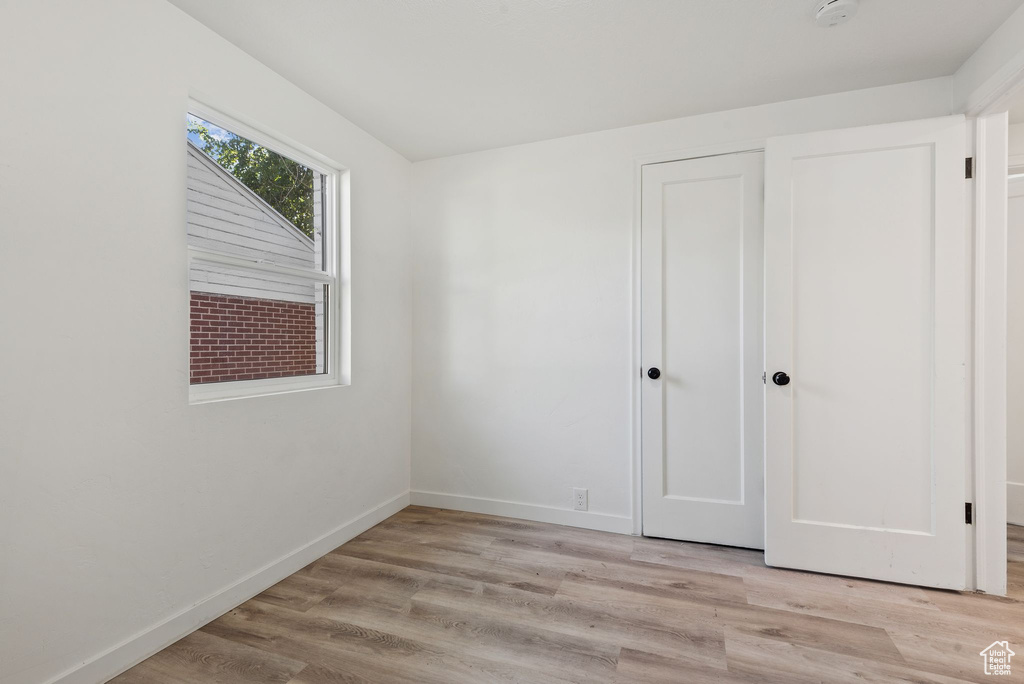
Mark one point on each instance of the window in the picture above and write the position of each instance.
(262, 231)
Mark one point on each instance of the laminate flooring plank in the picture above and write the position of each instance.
(204, 657)
(493, 638)
(701, 642)
(352, 649)
(464, 565)
(638, 666)
(837, 636)
(771, 660)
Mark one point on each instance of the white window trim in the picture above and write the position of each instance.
(335, 274)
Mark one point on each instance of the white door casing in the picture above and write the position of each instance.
(866, 310)
(702, 326)
(1015, 349)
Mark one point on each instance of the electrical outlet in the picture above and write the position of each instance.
(579, 499)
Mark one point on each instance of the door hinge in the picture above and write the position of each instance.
(969, 513)
(969, 167)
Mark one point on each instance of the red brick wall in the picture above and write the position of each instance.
(243, 338)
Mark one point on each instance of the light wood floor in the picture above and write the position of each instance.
(441, 597)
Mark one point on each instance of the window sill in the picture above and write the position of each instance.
(248, 389)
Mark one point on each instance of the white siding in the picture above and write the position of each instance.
(237, 282)
(226, 216)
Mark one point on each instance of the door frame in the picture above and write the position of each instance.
(988, 107)
(990, 298)
(635, 365)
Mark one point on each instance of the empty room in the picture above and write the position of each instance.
(540, 341)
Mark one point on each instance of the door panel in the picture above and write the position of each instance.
(865, 302)
(702, 327)
(702, 244)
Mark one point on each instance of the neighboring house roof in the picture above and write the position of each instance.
(196, 153)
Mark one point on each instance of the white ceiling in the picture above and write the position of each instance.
(438, 77)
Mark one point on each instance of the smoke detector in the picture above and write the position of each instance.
(831, 13)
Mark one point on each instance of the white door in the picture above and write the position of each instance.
(865, 296)
(702, 328)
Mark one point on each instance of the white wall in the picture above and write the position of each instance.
(120, 504)
(522, 278)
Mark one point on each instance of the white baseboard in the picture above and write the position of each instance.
(510, 509)
(1015, 503)
(116, 660)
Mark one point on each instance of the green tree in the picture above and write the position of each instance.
(285, 185)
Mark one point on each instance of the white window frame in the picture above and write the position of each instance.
(335, 274)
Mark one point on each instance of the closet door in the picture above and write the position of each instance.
(866, 325)
(702, 343)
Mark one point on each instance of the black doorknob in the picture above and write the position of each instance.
(653, 373)
(780, 378)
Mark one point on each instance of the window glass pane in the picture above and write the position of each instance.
(282, 333)
(249, 201)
